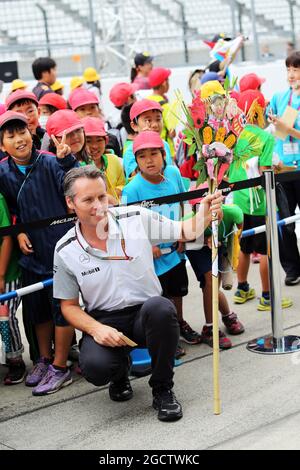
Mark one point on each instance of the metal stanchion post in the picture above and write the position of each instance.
(277, 343)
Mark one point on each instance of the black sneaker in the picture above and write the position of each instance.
(189, 335)
(16, 372)
(292, 280)
(169, 409)
(121, 390)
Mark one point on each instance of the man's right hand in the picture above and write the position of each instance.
(108, 336)
(25, 244)
(213, 203)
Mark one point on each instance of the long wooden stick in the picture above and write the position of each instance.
(215, 304)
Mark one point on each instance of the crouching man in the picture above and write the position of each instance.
(107, 257)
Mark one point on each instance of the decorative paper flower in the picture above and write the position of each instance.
(198, 111)
(217, 150)
(215, 155)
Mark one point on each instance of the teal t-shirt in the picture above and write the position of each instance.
(139, 189)
(23, 168)
(289, 154)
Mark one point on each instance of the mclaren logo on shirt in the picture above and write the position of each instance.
(91, 271)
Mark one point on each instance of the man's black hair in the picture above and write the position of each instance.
(12, 126)
(41, 65)
(293, 60)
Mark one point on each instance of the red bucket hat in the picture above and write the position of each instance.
(120, 93)
(94, 127)
(81, 97)
(53, 99)
(12, 116)
(20, 95)
(158, 75)
(63, 122)
(251, 81)
(147, 140)
(142, 106)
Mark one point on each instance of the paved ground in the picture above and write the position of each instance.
(260, 399)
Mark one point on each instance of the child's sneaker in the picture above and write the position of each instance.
(207, 337)
(187, 334)
(241, 296)
(53, 381)
(16, 372)
(37, 373)
(233, 325)
(265, 304)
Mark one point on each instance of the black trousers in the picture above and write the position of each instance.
(153, 325)
(289, 253)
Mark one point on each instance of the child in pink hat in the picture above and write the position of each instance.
(66, 125)
(109, 164)
(85, 103)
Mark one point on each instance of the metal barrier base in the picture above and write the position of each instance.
(270, 345)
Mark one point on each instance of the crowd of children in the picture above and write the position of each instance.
(43, 135)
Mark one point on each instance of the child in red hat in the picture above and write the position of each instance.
(49, 104)
(122, 94)
(159, 81)
(25, 102)
(65, 125)
(109, 164)
(145, 115)
(85, 103)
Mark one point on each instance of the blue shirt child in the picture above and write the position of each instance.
(140, 189)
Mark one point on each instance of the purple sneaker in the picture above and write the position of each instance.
(37, 373)
(53, 381)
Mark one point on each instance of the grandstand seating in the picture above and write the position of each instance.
(145, 24)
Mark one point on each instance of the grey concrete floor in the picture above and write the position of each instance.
(259, 394)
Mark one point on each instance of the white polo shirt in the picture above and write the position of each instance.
(113, 284)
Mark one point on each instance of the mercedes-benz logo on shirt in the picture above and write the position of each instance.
(84, 258)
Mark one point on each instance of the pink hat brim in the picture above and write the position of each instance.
(69, 130)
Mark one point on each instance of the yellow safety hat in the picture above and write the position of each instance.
(76, 82)
(90, 75)
(211, 88)
(18, 84)
(57, 86)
